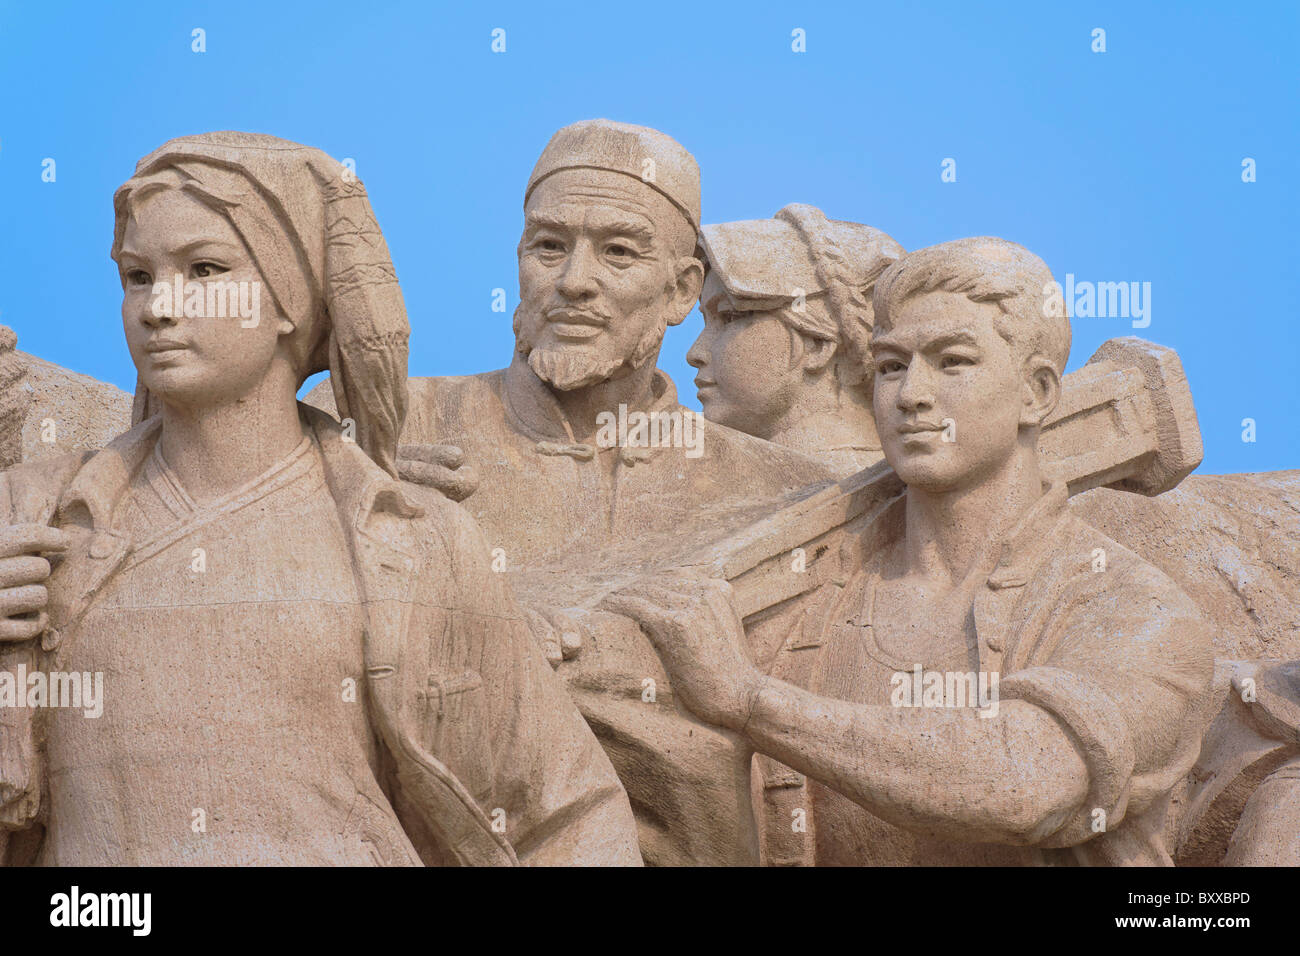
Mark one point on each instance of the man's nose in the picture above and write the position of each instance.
(917, 390)
(578, 280)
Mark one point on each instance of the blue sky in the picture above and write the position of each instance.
(1117, 166)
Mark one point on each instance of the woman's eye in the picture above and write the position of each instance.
(203, 270)
(138, 277)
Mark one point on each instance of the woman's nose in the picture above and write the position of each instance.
(697, 356)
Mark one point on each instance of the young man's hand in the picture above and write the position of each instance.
(693, 624)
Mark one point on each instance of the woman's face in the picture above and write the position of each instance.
(219, 345)
(745, 378)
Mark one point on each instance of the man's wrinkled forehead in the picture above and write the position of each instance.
(598, 198)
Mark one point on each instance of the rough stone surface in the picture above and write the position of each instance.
(78, 412)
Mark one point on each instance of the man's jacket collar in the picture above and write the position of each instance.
(533, 410)
(1026, 546)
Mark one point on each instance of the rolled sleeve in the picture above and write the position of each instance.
(1098, 729)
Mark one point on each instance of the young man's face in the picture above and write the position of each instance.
(597, 276)
(948, 393)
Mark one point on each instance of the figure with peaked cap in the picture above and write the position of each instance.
(304, 660)
(785, 349)
(607, 261)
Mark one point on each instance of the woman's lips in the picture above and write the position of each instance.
(155, 346)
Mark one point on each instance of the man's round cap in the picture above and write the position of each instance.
(624, 148)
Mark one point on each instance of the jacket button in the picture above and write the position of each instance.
(102, 545)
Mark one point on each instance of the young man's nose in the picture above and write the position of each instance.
(917, 390)
(578, 279)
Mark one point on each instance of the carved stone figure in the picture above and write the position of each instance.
(790, 650)
(571, 496)
(1245, 581)
(975, 578)
(304, 660)
(787, 328)
(47, 411)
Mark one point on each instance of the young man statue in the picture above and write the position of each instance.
(983, 575)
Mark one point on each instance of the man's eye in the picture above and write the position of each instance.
(619, 251)
(138, 277)
(734, 316)
(203, 270)
(889, 367)
(550, 245)
(955, 361)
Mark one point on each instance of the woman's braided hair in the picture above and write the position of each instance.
(848, 284)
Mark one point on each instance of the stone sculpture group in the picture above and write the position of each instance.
(906, 593)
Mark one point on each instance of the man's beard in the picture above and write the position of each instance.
(566, 370)
(581, 367)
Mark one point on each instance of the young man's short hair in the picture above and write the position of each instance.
(985, 269)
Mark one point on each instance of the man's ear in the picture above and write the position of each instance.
(686, 289)
(1041, 391)
(817, 354)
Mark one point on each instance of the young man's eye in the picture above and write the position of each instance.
(204, 270)
(138, 277)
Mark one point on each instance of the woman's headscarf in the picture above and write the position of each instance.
(310, 229)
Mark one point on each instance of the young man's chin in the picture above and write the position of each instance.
(926, 471)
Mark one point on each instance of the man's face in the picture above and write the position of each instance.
(597, 276)
(745, 380)
(948, 393)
